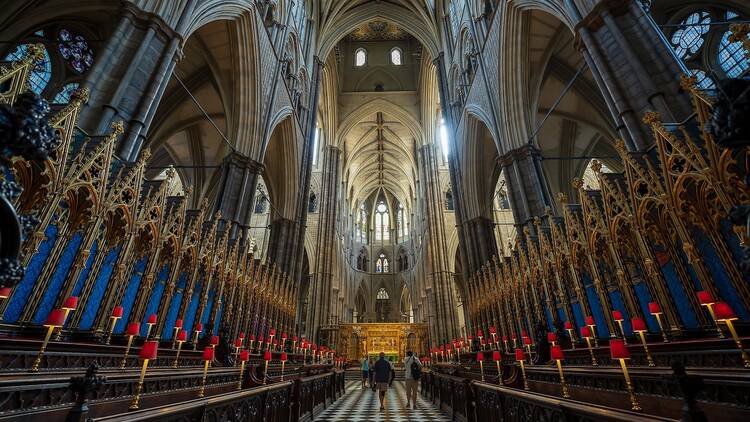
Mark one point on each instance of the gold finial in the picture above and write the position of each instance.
(35, 52)
(80, 95)
(620, 146)
(596, 165)
(145, 154)
(118, 127)
(688, 82)
(651, 118)
(563, 198)
(188, 190)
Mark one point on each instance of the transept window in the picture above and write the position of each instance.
(360, 57)
(396, 56)
(382, 222)
(75, 50)
(42, 71)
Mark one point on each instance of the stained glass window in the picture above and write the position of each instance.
(63, 97)
(400, 222)
(688, 39)
(382, 294)
(360, 57)
(42, 71)
(704, 81)
(382, 223)
(444, 139)
(396, 56)
(75, 50)
(362, 224)
(732, 56)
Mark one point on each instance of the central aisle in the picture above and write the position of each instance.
(362, 405)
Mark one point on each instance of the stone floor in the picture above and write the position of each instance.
(362, 405)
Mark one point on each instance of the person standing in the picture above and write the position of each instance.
(382, 378)
(412, 372)
(365, 372)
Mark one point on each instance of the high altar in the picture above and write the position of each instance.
(394, 339)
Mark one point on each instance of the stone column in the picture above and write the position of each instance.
(236, 191)
(323, 261)
(436, 258)
(528, 188)
(129, 77)
(480, 240)
(635, 68)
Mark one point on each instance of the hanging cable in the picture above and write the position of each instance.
(200, 107)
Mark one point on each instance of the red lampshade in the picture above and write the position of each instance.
(267, 356)
(56, 318)
(284, 357)
(618, 349)
(520, 355)
(149, 349)
(272, 332)
(252, 337)
(724, 312)
(275, 342)
(199, 327)
(260, 339)
(117, 312)
(568, 325)
(590, 320)
(178, 323)
(654, 308)
(238, 342)
(134, 329)
(617, 316)
(638, 325)
(484, 342)
(551, 337)
(505, 338)
(242, 335)
(294, 339)
(208, 353)
(244, 355)
(586, 332)
(496, 356)
(479, 333)
(453, 341)
(315, 346)
(71, 303)
(493, 330)
(151, 319)
(705, 298)
(442, 348)
(214, 340)
(182, 335)
(527, 340)
(523, 333)
(556, 353)
(513, 336)
(5, 292)
(283, 336)
(461, 339)
(480, 357)
(470, 338)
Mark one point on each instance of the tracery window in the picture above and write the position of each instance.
(396, 56)
(75, 50)
(382, 222)
(312, 206)
(701, 41)
(42, 71)
(362, 224)
(360, 57)
(449, 200)
(261, 201)
(381, 266)
(453, 12)
(382, 294)
(402, 232)
(63, 97)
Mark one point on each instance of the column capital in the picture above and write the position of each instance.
(526, 151)
(245, 162)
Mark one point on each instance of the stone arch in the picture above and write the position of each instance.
(281, 172)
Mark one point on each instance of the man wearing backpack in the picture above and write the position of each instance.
(412, 372)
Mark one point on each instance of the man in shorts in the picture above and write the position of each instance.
(382, 378)
(365, 372)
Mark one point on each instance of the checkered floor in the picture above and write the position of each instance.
(362, 405)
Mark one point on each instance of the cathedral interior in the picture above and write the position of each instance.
(223, 209)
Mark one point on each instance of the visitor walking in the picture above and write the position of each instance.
(412, 373)
(382, 378)
(365, 372)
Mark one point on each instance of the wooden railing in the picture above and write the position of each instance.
(474, 401)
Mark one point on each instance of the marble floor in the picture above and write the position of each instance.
(362, 405)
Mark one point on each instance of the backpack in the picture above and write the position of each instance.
(416, 370)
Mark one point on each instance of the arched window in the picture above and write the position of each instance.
(453, 12)
(42, 71)
(688, 39)
(362, 224)
(313, 205)
(261, 201)
(396, 56)
(360, 57)
(75, 50)
(63, 97)
(443, 139)
(381, 265)
(401, 223)
(732, 56)
(382, 294)
(449, 200)
(382, 222)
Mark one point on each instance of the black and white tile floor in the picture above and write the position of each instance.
(362, 405)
